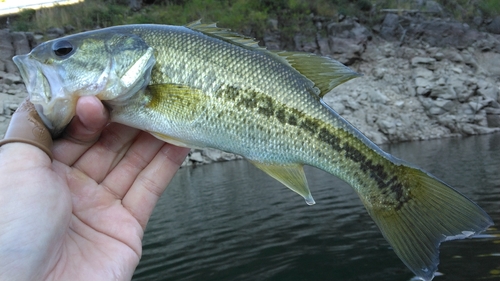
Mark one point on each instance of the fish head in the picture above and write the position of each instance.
(111, 66)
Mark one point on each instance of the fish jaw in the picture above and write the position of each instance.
(46, 91)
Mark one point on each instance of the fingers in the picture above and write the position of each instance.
(107, 152)
(152, 182)
(83, 131)
(139, 155)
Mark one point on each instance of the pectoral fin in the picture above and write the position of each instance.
(181, 102)
(290, 175)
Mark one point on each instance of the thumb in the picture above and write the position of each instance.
(27, 127)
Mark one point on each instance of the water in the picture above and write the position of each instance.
(230, 221)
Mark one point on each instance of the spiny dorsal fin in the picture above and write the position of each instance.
(225, 34)
(324, 72)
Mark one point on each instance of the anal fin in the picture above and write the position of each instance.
(292, 176)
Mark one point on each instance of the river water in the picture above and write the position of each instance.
(230, 221)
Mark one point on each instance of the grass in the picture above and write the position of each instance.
(246, 16)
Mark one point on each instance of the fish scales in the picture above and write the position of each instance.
(260, 103)
(203, 86)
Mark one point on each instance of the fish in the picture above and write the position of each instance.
(202, 86)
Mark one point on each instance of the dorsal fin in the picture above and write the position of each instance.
(324, 72)
(225, 34)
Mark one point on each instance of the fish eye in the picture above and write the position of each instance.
(62, 48)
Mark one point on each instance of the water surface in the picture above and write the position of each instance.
(230, 221)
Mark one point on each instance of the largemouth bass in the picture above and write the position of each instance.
(203, 86)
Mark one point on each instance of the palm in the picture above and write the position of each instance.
(90, 206)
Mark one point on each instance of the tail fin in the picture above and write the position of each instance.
(434, 213)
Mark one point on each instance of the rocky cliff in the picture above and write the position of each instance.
(423, 77)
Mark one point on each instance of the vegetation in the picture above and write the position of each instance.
(247, 16)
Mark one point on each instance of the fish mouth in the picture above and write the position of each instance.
(44, 85)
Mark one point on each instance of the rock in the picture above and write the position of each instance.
(215, 155)
(433, 7)
(487, 90)
(423, 82)
(391, 29)
(349, 29)
(378, 97)
(135, 5)
(467, 129)
(454, 56)
(476, 106)
(421, 72)
(439, 56)
(446, 105)
(340, 29)
(378, 73)
(428, 63)
(436, 110)
(12, 106)
(272, 40)
(305, 43)
(444, 92)
(489, 43)
(345, 50)
(442, 33)
(272, 24)
(462, 90)
(38, 37)
(196, 156)
(493, 120)
(324, 46)
(338, 107)
(11, 78)
(68, 28)
(20, 43)
(387, 126)
(492, 110)
(55, 32)
(7, 51)
(352, 104)
(489, 62)
(478, 21)
(494, 26)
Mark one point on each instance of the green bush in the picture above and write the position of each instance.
(247, 16)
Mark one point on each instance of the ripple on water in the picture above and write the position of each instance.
(230, 221)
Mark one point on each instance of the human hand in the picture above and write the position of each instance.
(82, 216)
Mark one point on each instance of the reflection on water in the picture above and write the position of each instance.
(230, 221)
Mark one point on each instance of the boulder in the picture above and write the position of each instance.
(433, 7)
(345, 50)
(20, 43)
(494, 25)
(7, 51)
(391, 29)
(272, 40)
(442, 34)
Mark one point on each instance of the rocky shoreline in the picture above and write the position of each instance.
(423, 77)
